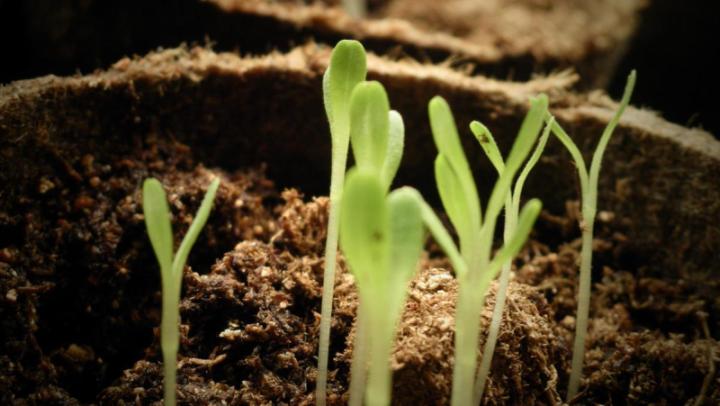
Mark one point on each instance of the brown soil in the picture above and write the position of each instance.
(80, 304)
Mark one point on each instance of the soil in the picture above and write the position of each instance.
(80, 301)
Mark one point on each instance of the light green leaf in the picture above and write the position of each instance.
(406, 240)
(530, 164)
(453, 199)
(526, 221)
(521, 148)
(157, 222)
(488, 144)
(364, 226)
(448, 144)
(396, 143)
(369, 125)
(574, 153)
(347, 68)
(607, 133)
(438, 231)
(197, 225)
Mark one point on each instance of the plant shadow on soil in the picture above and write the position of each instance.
(82, 309)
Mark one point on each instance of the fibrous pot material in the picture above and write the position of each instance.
(503, 38)
(234, 111)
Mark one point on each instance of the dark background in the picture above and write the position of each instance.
(675, 50)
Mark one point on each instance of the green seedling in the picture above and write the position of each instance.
(157, 221)
(459, 197)
(347, 68)
(512, 212)
(588, 193)
(377, 137)
(382, 237)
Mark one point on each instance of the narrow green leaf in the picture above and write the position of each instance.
(406, 241)
(575, 153)
(453, 199)
(364, 227)
(347, 68)
(521, 148)
(396, 143)
(526, 221)
(448, 144)
(197, 225)
(607, 133)
(369, 125)
(439, 233)
(529, 165)
(157, 222)
(488, 144)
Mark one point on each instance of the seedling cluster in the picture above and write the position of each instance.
(382, 232)
(370, 220)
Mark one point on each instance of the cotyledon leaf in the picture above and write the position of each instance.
(488, 144)
(364, 226)
(453, 199)
(157, 222)
(406, 241)
(196, 226)
(524, 142)
(448, 143)
(369, 125)
(396, 143)
(347, 68)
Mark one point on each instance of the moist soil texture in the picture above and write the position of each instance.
(80, 301)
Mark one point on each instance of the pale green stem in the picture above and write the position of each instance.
(337, 181)
(170, 342)
(358, 368)
(379, 388)
(467, 330)
(581, 324)
(500, 295)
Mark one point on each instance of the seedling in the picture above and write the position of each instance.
(512, 210)
(157, 221)
(347, 68)
(588, 193)
(382, 239)
(458, 194)
(377, 137)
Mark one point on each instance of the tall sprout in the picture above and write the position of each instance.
(157, 222)
(347, 68)
(512, 211)
(381, 238)
(588, 193)
(458, 194)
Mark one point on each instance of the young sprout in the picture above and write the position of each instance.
(347, 68)
(512, 211)
(382, 238)
(588, 193)
(377, 137)
(458, 194)
(157, 222)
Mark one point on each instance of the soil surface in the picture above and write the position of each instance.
(80, 302)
